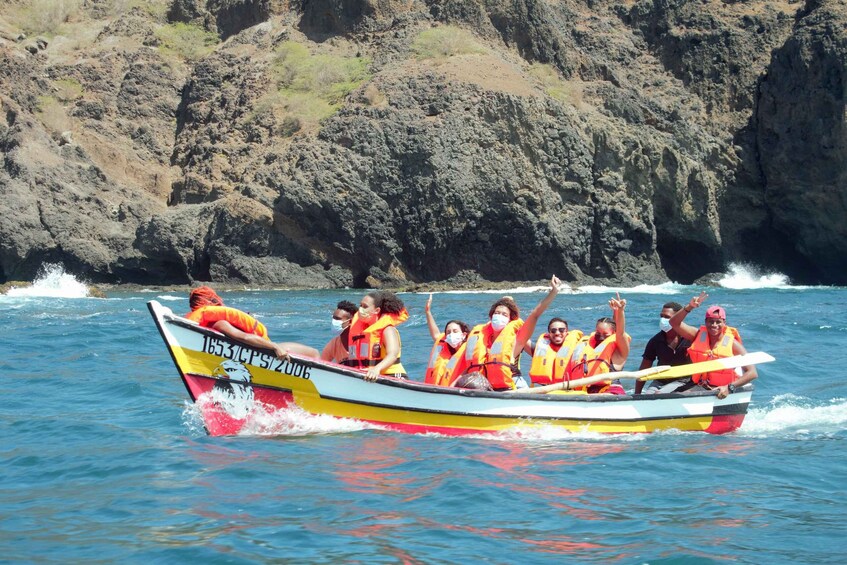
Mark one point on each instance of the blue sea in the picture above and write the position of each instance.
(105, 459)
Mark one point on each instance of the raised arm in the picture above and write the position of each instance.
(430, 319)
(618, 305)
(677, 323)
(528, 328)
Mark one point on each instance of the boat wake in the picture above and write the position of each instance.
(788, 415)
(264, 420)
(52, 282)
(785, 416)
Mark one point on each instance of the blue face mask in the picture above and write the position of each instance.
(337, 326)
(665, 324)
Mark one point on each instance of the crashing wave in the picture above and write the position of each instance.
(52, 281)
(743, 276)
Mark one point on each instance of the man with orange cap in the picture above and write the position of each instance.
(714, 340)
(208, 310)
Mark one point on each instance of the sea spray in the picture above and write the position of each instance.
(744, 276)
(53, 281)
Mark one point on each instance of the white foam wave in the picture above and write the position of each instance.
(790, 415)
(52, 282)
(503, 291)
(743, 276)
(295, 421)
(170, 298)
(663, 288)
(265, 420)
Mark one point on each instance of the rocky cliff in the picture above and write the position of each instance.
(327, 143)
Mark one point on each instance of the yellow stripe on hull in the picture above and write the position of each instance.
(386, 415)
(190, 361)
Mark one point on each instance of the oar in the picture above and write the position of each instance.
(712, 365)
(568, 385)
(660, 372)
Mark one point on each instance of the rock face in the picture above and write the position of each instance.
(334, 143)
(802, 141)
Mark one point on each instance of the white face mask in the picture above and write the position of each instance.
(664, 324)
(364, 315)
(499, 321)
(454, 339)
(337, 326)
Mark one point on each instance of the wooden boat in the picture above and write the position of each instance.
(229, 380)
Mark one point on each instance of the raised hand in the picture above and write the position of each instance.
(555, 283)
(428, 305)
(617, 303)
(697, 300)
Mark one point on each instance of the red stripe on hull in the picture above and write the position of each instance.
(221, 420)
(725, 423)
(420, 429)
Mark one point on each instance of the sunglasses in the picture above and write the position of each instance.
(558, 330)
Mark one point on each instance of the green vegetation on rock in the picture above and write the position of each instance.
(553, 85)
(445, 41)
(45, 16)
(329, 77)
(311, 87)
(186, 41)
(68, 89)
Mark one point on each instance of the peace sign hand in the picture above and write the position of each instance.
(698, 300)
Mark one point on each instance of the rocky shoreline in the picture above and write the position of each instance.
(384, 144)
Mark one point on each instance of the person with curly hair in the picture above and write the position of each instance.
(374, 342)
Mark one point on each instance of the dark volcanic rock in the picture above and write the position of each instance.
(225, 17)
(802, 136)
(614, 140)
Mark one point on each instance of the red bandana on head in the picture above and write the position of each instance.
(204, 296)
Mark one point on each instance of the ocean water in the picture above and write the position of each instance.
(105, 460)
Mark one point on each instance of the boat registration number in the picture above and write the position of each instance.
(248, 356)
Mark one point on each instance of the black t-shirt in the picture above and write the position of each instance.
(657, 348)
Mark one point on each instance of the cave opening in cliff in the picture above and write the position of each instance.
(686, 261)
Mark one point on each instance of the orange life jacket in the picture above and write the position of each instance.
(439, 370)
(591, 358)
(700, 351)
(207, 316)
(550, 365)
(366, 348)
(496, 362)
(735, 333)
